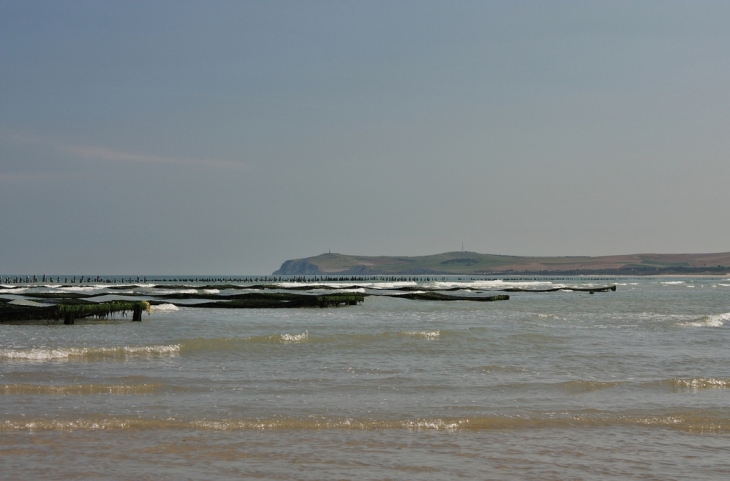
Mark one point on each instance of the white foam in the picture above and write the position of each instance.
(713, 320)
(77, 288)
(702, 383)
(287, 338)
(165, 308)
(428, 335)
(670, 283)
(435, 424)
(433, 285)
(82, 352)
(349, 285)
(495, 284)
(211, 291)
(13, 290)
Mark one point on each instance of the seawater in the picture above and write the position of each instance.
(631, 384)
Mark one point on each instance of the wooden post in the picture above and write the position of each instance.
(137, 313)
(68, 318)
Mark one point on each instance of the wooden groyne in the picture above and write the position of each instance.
(589, 290)
(435, 296)
(70, 312)
(273, 300)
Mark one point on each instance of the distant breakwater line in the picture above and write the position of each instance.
(66, 280)
(69, 281)
(28, 279)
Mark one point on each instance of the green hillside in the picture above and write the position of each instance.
(473, 263)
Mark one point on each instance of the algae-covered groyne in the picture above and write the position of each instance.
(275, 300)
(435, 296)
(68, 312)
(68, 303)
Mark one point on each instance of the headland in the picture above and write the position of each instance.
(473, 263)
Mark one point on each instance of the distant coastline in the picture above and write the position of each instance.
(473, 263)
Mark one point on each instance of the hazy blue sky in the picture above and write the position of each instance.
(226, 137)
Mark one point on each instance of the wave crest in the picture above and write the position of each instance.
(289, 338)
(688, 421)
(88, 353)
(427, 335)
(713, 320)
(165, 308)
(231, 343)
(80, 389)
(700, 383)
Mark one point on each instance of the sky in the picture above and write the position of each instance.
(175, 137)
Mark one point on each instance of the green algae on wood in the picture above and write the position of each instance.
(69, 312)
(11, 313)
(273, 300)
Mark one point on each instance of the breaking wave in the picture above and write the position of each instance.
(89, 353)
(699, 383)
(689, 421)
(288, 338)
(713, 320)
(428, 335)
(164, 308)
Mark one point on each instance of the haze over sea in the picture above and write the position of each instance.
(225, 137)
(555, 385)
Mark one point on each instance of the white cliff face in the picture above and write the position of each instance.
(297, 267)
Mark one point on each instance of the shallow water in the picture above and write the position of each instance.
(627, 384)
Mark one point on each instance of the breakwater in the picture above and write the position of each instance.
(68, 311)
(77, 280)
(103, 297)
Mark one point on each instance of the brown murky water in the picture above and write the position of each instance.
(563, 385)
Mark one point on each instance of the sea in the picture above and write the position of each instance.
(625, 384)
